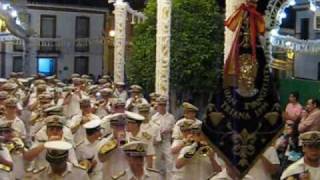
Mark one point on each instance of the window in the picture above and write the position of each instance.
(81, 65)
(304, 29)
(47, 65)
(48, 30)
(317, 21)
(18, 45)
(82, 33)
(48, 26)
(17, 64)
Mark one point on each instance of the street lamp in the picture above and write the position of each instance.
(112, 33)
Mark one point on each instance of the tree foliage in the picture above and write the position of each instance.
(196, 47)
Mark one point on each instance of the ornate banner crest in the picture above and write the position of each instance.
(246, 116)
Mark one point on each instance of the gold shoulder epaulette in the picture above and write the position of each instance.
(146, 135)
(108, 147)
(79, 167)
(119, 175)
(37, 171)
(5, 168)
(153, 170)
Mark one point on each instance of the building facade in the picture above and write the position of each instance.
(303, 23)
(66, 38)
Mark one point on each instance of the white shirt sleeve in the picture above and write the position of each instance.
(5, 154)
(271, 155)
(75, 120)
(176, 134)
(72, 157)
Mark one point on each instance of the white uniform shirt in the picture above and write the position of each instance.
(41, 161)
(142, 137)
(73, 108)
(152, 129)
(176, 173)
(103, 111)
(88, 150)
(177, 134)
(18, 126)
(135, 108)
(300, 167)
(121, 95)
(258, 171)
(42, 136)
(71, 173)
(5, 154)
(166, 123)
(197, 167)
(80, 134)
(115, 161)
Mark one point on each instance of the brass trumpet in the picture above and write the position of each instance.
(15, 146)
(204, 150)
(85, 164)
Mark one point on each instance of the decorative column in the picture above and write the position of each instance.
(231, 6)
(120, 13)
(163, 47)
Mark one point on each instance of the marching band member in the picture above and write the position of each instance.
(56, 154)
(190, 112)
(197, 160)
(135, 133)
(135, 99)
(89, 152)
(166, 122)
(76, 123)
(54, 131)
(135, 153)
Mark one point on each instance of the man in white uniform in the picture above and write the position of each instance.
(166, 121)
(6, 162)
(135, 133)
(103, 106)
(88, 152)
(59, 167)
(178, 144)
(148, 127)
(135, 99)
(198, 160)
(308, 167)
(115, 159)
(19, 131)
(135, 152)
(120, 92)
(190, 112)
(73, 97)
(54, 131)
(76, 123)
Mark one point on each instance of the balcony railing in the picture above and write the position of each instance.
(82, 45)
(49, 45)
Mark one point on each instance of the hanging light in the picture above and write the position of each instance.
(313, 7)
(112, 33)
(5, 6)
(292, 3)
(14, 13)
